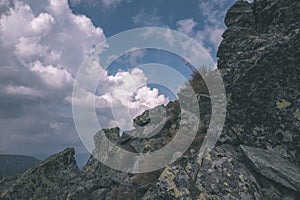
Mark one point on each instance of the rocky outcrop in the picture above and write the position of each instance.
(51, 179)
(257, 156)
(121, 185)
(261, 72)
(218, 176)
(273, 166)
(258, 57)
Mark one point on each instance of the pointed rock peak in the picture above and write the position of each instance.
(48, 180)
(240, 14)
(62, 160)
(153, 115)
(66, 157)
(112, 134)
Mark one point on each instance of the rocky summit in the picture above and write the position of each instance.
(258, 154)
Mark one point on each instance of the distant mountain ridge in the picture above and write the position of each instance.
(12, 165)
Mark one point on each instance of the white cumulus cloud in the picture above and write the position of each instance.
(52, 76)
(43, 23)
(125, 93)
(42, 47)
(22, 90)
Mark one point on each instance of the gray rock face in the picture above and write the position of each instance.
(218, 176)
(241, 14)
(51, 179)
(273, 166)
(261, 73)
(259, 57)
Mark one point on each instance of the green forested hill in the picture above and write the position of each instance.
(11, 165)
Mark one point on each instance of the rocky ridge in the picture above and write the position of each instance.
(257, 156)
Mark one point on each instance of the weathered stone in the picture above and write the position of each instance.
(261, 74)
(51, 179)
(273, 166)
(240, 14)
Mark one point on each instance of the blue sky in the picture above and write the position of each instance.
(207, 15)
(204, 18)
(43, 44)
(125, 15)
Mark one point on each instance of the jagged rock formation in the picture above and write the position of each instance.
(260, 60)
(257, 156)
(273, 166)
(259, 57)
(51, 179)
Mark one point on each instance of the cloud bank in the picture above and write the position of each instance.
(42, 46)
